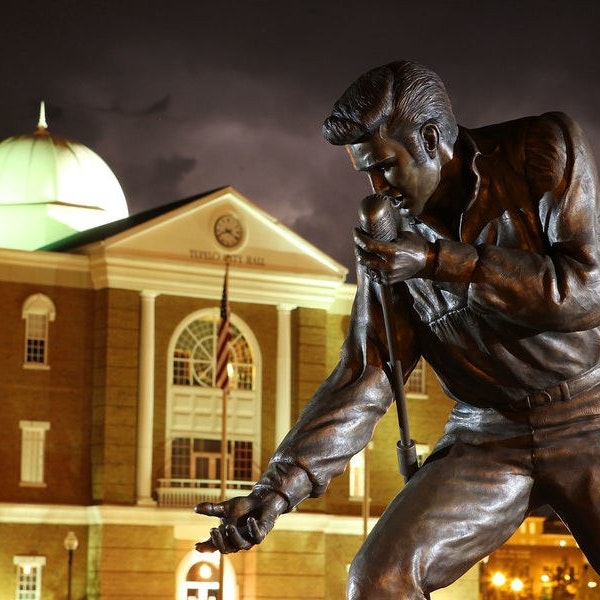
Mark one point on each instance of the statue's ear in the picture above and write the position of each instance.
(431, 138)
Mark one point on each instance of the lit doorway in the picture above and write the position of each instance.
(202, 582)
(198, 577)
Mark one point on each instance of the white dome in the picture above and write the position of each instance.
(51, 187)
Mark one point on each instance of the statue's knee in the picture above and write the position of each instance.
(356, 588)
(376, 580)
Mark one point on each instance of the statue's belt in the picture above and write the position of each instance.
(561, 392)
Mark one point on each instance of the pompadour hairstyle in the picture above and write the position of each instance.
(402, 95)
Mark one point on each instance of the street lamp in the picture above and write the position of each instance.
(71, 542)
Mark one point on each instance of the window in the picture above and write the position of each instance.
(193, 458)
(33, 441)
(416, 384)
(423, 451)
(194, 411)
(356, 473)
(194, 356)
(38, 311)
(29, 576)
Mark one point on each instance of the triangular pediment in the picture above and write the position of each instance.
(218, 227)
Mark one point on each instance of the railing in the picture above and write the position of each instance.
(186, 493)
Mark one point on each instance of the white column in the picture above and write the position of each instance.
(283, 408)
(145, 400)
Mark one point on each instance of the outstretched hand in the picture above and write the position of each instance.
(245, 521)
(393, 261)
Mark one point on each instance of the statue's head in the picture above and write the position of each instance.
(402, 96)
(398, 126)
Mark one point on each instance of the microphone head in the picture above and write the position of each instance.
(376, 217)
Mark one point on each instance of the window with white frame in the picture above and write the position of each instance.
(194, 355)
(357, 473)
(195, 402)
(33, 449)
(29, 576)
(193, 458)
(416, 384)
(356, 476)
(423, 451)
(38, 311)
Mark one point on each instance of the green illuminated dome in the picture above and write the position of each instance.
(51, 187)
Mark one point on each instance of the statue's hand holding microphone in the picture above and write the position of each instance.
(388, 255)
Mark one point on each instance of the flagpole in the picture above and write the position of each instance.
(224, 399)
(223, 357)
(223, 481)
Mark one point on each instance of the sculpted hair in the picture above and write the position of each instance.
(402, 95)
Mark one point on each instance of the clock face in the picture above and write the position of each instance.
(228, 231)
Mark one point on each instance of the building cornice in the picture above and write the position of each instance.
(194, 279)
(254, 286)
(44, 268)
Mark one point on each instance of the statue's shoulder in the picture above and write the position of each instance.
(517, 130)
(520, 139)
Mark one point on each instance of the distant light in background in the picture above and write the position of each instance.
(205, 571)
(516, 585)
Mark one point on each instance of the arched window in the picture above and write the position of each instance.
(194, 356)
(194, 412)
(38, 311)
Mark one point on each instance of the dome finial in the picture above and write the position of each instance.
(42, 121)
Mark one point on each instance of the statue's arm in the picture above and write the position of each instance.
(339, 420)
(558, 289)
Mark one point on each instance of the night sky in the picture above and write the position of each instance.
(182, 97)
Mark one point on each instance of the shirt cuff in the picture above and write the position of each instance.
(289, 481)
(452, 261)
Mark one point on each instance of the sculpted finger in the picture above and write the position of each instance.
(236, 540)
(361, 238)
(218, 541)
(205, 546)
(371, 245)
(256, 533)
(211, 509)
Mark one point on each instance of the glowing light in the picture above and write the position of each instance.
(27, 570)
(498, 579)
(562, 543)
(592, 584)
(545, 578)
(205, 571)
(516, 585)
(229, 369)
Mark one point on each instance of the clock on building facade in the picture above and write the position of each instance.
(228, 230)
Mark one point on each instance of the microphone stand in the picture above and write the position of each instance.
(377, 220)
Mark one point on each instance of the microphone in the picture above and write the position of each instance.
(376, 217)
(377, 220)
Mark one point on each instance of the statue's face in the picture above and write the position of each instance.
(394, 172)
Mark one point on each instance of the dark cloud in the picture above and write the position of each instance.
(187, 96)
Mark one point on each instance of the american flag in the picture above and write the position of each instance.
(223, 340)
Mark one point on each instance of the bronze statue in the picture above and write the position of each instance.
(493, 273)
